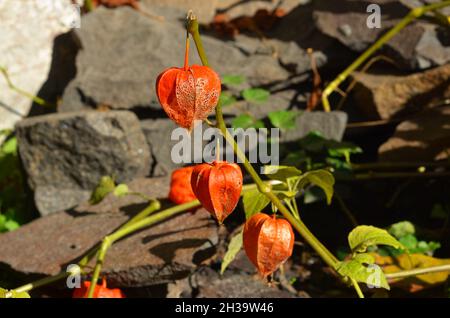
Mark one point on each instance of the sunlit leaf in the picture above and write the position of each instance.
(233, 248)
(363, 236)
(231, 80)
(283, 119)
(245, 121)
(363, 272)
(321, 178)
(281, 172)
(256, 95)
(254, 201)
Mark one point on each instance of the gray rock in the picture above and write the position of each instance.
(415, 47)
(69, 152)
(235, 285)
(123, 75)
(331, 125)
(384, 96)
(158, 135)
(158, 254)
(425, 137)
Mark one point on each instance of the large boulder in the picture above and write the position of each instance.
(384, 96)
(27, 34)
(164, 252)
(65, 155)
(418, 46)
(124, 51)
(425, 137)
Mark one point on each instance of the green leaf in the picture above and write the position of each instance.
(438, 212)
(321, 178)
(409, 241)
(233, 248)
(105, 186)
(254, 202)
(11, 225)
(226, 99)
(256, 95)
(14, 294)
(121, 190)
(231, 80)
(363, 272)
(401, 229)
(283, 119)
(9, 146)
(245, 121)
(281, 173)
(363, 236)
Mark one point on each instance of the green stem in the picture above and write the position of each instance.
(20, 91)
(418, 271)
(109, 240)
(411, 16)
(264, 188)
(357, 288)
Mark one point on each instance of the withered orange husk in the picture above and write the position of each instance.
(100, 291)
(218, 187)
(180, 186)
(268, 242)
(188, 94)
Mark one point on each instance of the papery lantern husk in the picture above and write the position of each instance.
(268, 242)
(218, 187)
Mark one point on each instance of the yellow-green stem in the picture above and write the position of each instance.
(412, 15)
(22, 92)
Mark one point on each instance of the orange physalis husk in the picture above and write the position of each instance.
(268, 242)
(218, 187)
(188, 94)
(100, 291)
(180, 186)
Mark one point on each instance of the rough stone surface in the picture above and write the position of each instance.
(384, 96)
(425, 137)
(331, 125)
(27, 33)
(237, 8)
(418, 46)
(204, 10)
(123, 76)
(161, 253)
(235, 285)
(69, 152)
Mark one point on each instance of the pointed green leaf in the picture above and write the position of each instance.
(245, 121)
(255, 95)
(370, 274)
(281, 173)
(321, 178)
(105, 186)
(363, 236)
(233, 80)
(254, 201)
(283, 119)
(233, 248)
